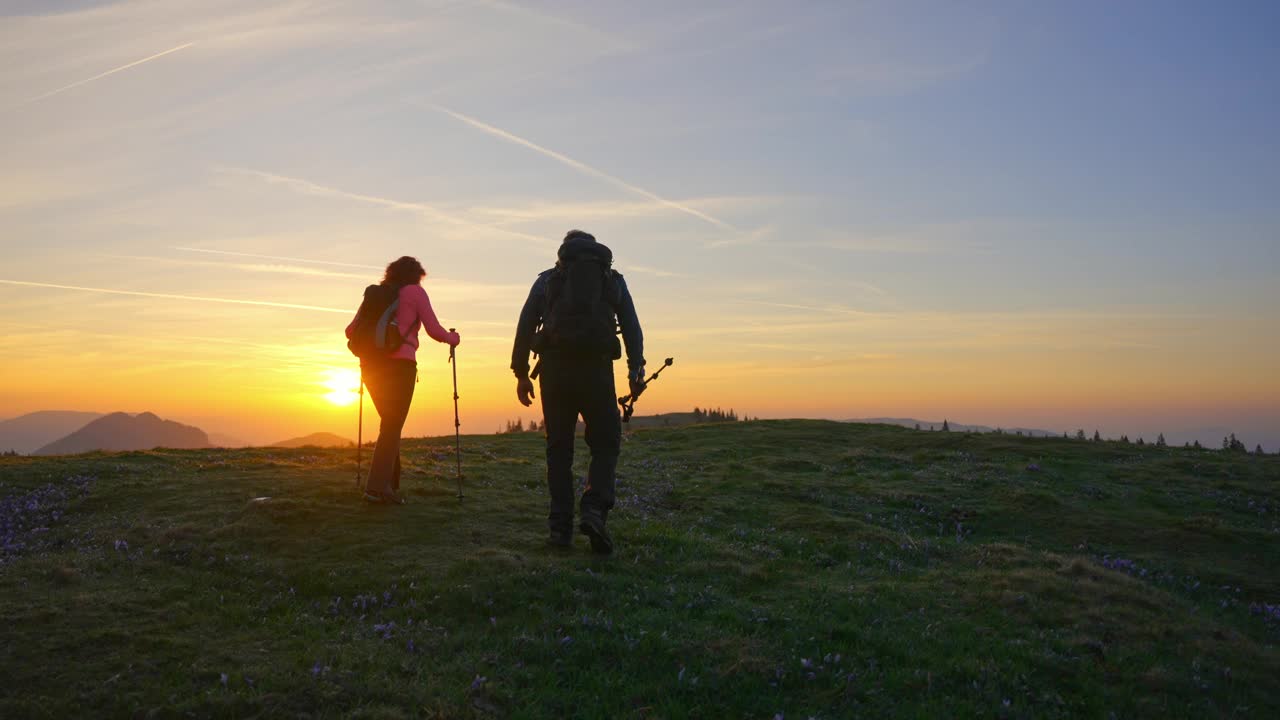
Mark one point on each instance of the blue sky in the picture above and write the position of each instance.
(908, 201)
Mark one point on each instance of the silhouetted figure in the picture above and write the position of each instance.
(570, 321)
(391, 375)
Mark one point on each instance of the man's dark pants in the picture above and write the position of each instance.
(572, 386)
(391, 384)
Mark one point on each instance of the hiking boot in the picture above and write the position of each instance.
(560, 540)
(593, 527)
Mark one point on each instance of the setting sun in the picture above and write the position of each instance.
(344, 386)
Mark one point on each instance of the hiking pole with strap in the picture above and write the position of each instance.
(360, 429)
(457, 424)
(628, 402)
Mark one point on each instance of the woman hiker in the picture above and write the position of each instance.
(390, 378)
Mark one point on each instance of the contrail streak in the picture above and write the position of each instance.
(311, 188)
(167, 296)
(582, 167)
(99, 76)
(277, 257)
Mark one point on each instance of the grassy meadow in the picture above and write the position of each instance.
(764, 569)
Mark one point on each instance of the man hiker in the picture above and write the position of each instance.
(570, 321)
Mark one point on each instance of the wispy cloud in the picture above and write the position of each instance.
(308, 187)
(59, 340)
(169, 296)
(831, 309)
(582, 167)
(753, 237)
(657, 272)
(895, 244)
(246, 267)
(294, 270)
(891, 77)
(276, 257)
(616, 43)
(967, 236)
(548, 210)
(99, 76)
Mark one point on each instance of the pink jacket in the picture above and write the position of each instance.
(413, 313)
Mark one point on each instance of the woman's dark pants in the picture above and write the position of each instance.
(390, 384)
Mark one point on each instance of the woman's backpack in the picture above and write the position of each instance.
(376, 334)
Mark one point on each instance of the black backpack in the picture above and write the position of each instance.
(582, 300)
(376, 334)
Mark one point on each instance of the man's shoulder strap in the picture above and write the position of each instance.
(613, 288)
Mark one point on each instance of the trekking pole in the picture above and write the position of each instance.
(628, 402)
(457, 424)
(360, 429)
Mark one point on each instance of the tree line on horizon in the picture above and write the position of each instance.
(699, 415)
(518, 426)
(1230, 442)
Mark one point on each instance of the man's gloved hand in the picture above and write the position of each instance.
(635, 379)
(524, 390)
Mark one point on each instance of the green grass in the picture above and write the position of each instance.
(796, 567)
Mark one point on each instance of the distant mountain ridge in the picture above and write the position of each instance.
(318, 439)
(122, 431)
(37, 429)
(953, 426)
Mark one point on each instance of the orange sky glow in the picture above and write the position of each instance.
(832, 211)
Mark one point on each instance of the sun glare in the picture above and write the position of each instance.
(344, 386)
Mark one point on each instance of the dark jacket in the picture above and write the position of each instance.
(536, 304)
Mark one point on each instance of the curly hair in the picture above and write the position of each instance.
(404, 271)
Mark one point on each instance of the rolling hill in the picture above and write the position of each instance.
(318, 439)
(26, 433)
(955, 427)
(766, 568)
(122, 431)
